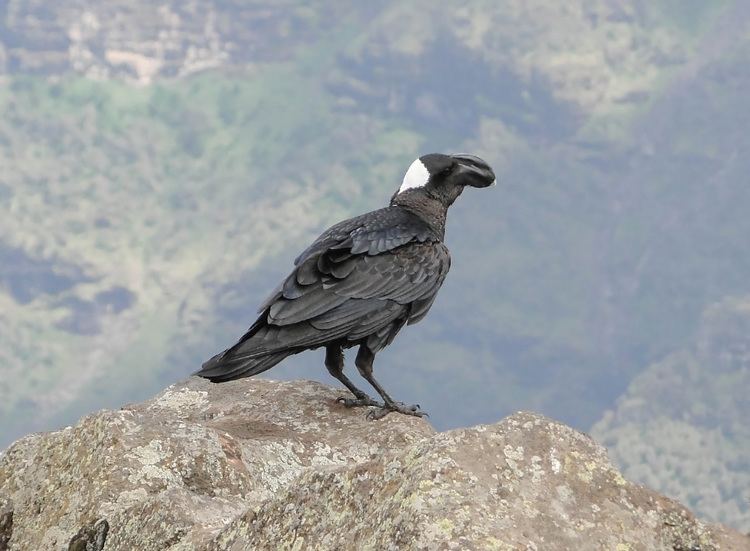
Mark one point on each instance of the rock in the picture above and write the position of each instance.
(6, 523)
(257, 464)
(175, 469)
(90, 538)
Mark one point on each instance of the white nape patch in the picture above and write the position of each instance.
(416, 176)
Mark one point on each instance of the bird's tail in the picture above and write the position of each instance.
(257, 351)
(227, 366)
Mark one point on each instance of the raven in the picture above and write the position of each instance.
(360, 282)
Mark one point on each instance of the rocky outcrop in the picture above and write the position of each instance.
(256, 464)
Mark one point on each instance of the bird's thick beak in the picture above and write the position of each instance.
(475, 171)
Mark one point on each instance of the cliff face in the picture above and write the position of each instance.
(259, 464)
(142, 42)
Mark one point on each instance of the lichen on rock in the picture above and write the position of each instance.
(256, 464)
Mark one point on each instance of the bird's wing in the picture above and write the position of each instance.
(358, 278)
(339, 285)
(370, 234)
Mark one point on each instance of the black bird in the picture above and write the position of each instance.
(360, 282)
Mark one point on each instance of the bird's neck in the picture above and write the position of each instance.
(430, 209)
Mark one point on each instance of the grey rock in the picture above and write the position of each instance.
(90, 538)
(256, 464)
(6, 523)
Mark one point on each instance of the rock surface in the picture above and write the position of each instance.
(257, 464)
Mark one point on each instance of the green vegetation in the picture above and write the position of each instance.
(680, 427)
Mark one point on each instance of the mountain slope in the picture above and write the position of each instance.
(680, 427)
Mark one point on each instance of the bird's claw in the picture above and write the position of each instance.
(399, 407)
(359, 402)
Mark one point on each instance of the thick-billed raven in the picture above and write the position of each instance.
(360, 282)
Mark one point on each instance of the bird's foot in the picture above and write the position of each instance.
(398, 407)
(359, 402)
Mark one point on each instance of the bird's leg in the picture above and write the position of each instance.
(335, 364)
(364, 360)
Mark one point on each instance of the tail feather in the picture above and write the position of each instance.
(257, 351)
(228, 367)
(264, 345)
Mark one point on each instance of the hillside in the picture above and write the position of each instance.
(680, 426)
(163, 165)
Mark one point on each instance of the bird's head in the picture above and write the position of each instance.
(444, 177)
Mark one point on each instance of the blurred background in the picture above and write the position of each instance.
(163, 163)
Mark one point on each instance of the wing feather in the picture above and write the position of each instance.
(350, 312)
(359, 279)
(309, 305)
(382, 318)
